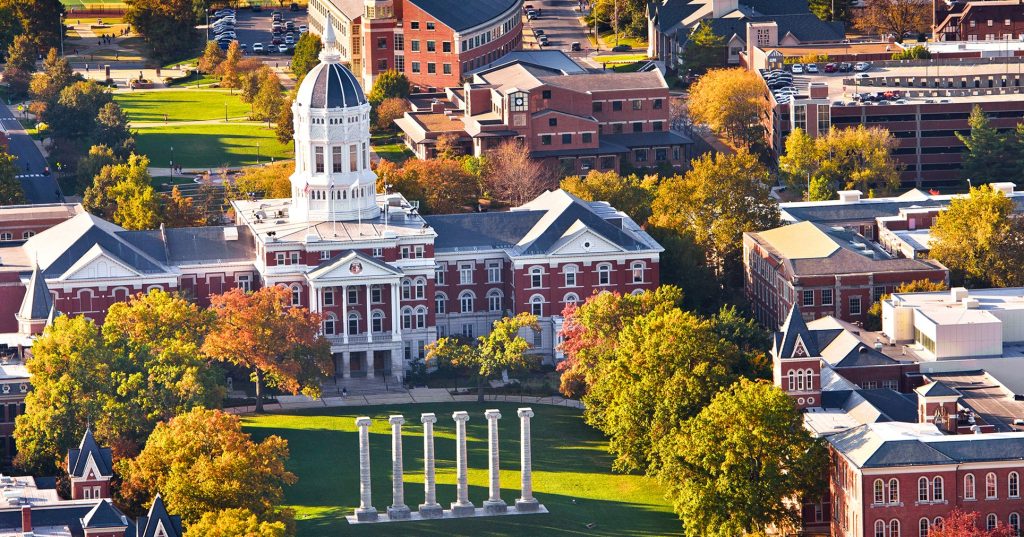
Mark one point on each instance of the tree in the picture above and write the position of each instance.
(715, 202)
(386, 85)
(705, 49)
(968, 524)
(132, 196)
(20, 65)
(10, 25)
(281, 345)
(684, 264)
(249, 85)
(501, 350)
(831, 10)
(229, 68)
(513, 177)
(917, 52)
(860, 157)
(967, 235)
(90, 165)
(236, 523)
(74, 115)
(389, 110)
(874, 319)
(167, 26)
(284, 127)
(988, 157)
(47, 85)
(306, 55)
(201, 462)
(447, 146)
(179, 211)
(269, 99)
(211, 58)
(631, 194)
(895, 17)
(733, 103)
(269, 181)
(731, 469)
(11, 192)
(443, 186)
(40, 19)
(112, 130)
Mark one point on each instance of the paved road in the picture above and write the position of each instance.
(30, 162)
(560, 21)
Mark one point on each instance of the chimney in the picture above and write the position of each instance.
(436, 106)
(26, 520)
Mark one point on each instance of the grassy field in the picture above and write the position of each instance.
(211, 145)
(184, 105)
(571, 475)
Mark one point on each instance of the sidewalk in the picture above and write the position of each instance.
(287, 403)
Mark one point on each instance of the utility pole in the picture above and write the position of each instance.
(60, 28)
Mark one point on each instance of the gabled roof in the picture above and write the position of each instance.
(937, 389)
(188, 245)
(794, 336)
(78, 458)
(462, 15)
(38, 303)
(346, 256)
(104, 515)
(877, 445)
(157, 516)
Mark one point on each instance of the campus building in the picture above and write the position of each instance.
(575, 120)
(434, 42)
(387, 280)
(977, 20)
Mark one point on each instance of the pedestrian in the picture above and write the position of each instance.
(344, 392)
(86, 68)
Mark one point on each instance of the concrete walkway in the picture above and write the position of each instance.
(287, 403)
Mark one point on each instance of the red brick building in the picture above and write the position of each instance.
(978, 20)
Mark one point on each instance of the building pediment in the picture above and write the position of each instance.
(98, 263)
(352, 265)
(581, 240)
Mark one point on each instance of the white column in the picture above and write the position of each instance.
(398, 509)
(494, 503)
(526, 501)
(346, 364)
(396, 314)
(314, 298)
(344, 313)
(366, 512)
(369, 317)
(429, 508)
(462, 506)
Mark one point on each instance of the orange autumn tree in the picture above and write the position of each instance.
(968, 524)
(282, 345)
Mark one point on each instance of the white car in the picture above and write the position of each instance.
(798, 68)
(861, 66)
(282, 48)
(863, 75)
(812, 68)
(257, 48)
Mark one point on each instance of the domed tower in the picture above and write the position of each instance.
(332, 179)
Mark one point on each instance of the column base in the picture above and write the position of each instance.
(495, 507)
(399, 512)
(463, 509)
(431, 510)
(366, 515)
(526, 506)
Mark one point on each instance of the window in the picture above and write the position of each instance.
(407, 318)
(431, 67)
(894, 528)
(537, 305)
(493, 271)
(377, 321)
(938, 494)
(922, 489)
(353, 158)
(604, 274)
(415, 66)
(420, 288)
(378, 252)
(1013, 482)
(465, 273)
(638, 104)
(657, 104)
(545, 139)
(638, 126)
(431, 46)
(991, 521)
(296, 295)
(439, 274)
(566, 138)
(571, 298)
(399, 42)
(808, 298)
(376, 295)
(597, 106)
(404, 252)
(854, 305)
(28, 235)
(406, 290)
(546, 94)
(417, 251)
(440, 304)
(6, 236)
(446, 46)
(923, 526)
(637, 270)
(894, 491)
(570, 275)
(1014, 520)
(536, 277)
(353, 295)
(879, 528)
(879, 492)
(587, 137)
(826, 297)
(446, 68)
(414, 25)
(244, 282)
(617, 106)
(318, 159)
(430, 26)
(467, 331)
(466, 302)
(328, 297)
(991, 483)
(414, 45)
(657, 126)
(494, 300)
(969, 487)
(421, 317)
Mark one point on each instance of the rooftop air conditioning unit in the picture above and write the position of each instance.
(231, 233)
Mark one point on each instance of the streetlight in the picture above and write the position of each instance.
(225, 110)
(172, 161)
(60, 28)
(257, 151)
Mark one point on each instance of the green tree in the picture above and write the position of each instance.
(977, 238)
(202, 462)
(269, 181)
(917, 52)
(21, 63)
(269, 99)
(40, 19)
(832, 10)
(503, 349)
(73, 117)
(306, 55)
(988, 158)
(236, 523)
(705, 49)
(90, 165)
(631, 194)
(684, 264)
(10, 24)
(211, 58)
(249, 85)
(124, 194)
(284, 127)
(56, 75)
(11, 192)
(280, 344)
(388, 84)
(112, 130)
(168, 27)
(860, 157)
(733, 103)
(732, 469)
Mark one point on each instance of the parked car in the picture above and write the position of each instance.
(797, 68)
(530, 15)
(845, 67)
(863, 75)
(293, 7)
(257, 48)
(575, 47)
(861, 66)
(290, 25)
(244, 47)
(277, 40)
(621, 48)
(812, 68)
(289, 40)
(538, 32)
(831, 67)
(283, 49)
(276, 15)
(543, 40)
(303, 29)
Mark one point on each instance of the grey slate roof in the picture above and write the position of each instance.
(38, 301)
(194, 244)
(806, 27)
(336, 87)
(550, 59)
(104, 515)
(77, 458)
(482, 230)
(795, 327)
(937, 389)
(863, 355)
(146, 526)
(462, 15)
(894, 405)
(913, 444)
(49, 516)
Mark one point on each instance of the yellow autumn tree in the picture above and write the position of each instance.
(733, 103)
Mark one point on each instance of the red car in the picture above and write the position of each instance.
(831, 68)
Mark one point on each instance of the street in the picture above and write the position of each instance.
(560, 21)
(30, 162)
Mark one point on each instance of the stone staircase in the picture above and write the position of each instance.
(362, 386)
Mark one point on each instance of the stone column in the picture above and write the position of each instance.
(461, 507)
(346, 364)
(430, 508)
(494, 503)
(366, 512)
(369, 316)
(398, 510)
(526, 501)
(344, 313)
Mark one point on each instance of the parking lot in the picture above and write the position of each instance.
(256, 27)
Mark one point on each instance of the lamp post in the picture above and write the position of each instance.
(172, 161)
(60, 29)
(225, 111)
(257, 151)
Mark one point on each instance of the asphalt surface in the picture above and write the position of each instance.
(560, 21)
(29, 161)
(251, 28)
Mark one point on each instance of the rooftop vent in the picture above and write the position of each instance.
(231, 233)
(389, 234)
(958, 293)
(312, 237)
(849, 196)
(970, 303)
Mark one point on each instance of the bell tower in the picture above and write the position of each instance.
(796, 361)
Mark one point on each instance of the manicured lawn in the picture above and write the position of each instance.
(396, 152)
(211, 145)
(571, 475)
(620, 58)
(184, 105)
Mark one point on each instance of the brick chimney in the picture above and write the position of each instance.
(26, 521)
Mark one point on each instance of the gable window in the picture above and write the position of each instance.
(545, 94)
(430, 26)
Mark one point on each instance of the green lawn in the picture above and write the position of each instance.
(184, 105)
(571, 475)
(233, 144)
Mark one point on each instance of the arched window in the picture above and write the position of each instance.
(537, 305)
(879, 528)
(330, 324)
(894, 528)
(604, 274)
(637, 271)
(969, 487)
(1014, 484)
(28, 235)
(421, 288)
(407, 320)
(922, 489)
(937, 523)
(571, 298)
(991, 486)
(406, 289)
(809, 379)
(879, 491)
(1014, 521)
(791, 380)
(536, 277)
(923, 527)
(938, 494)
(421, 317)
(466, 302)
(494, 299)
(377, 321)
(894, 491)
(570, 272)
(991, 521)
(800, 380)
(296, 295)
(440, 303)
(353, 323)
